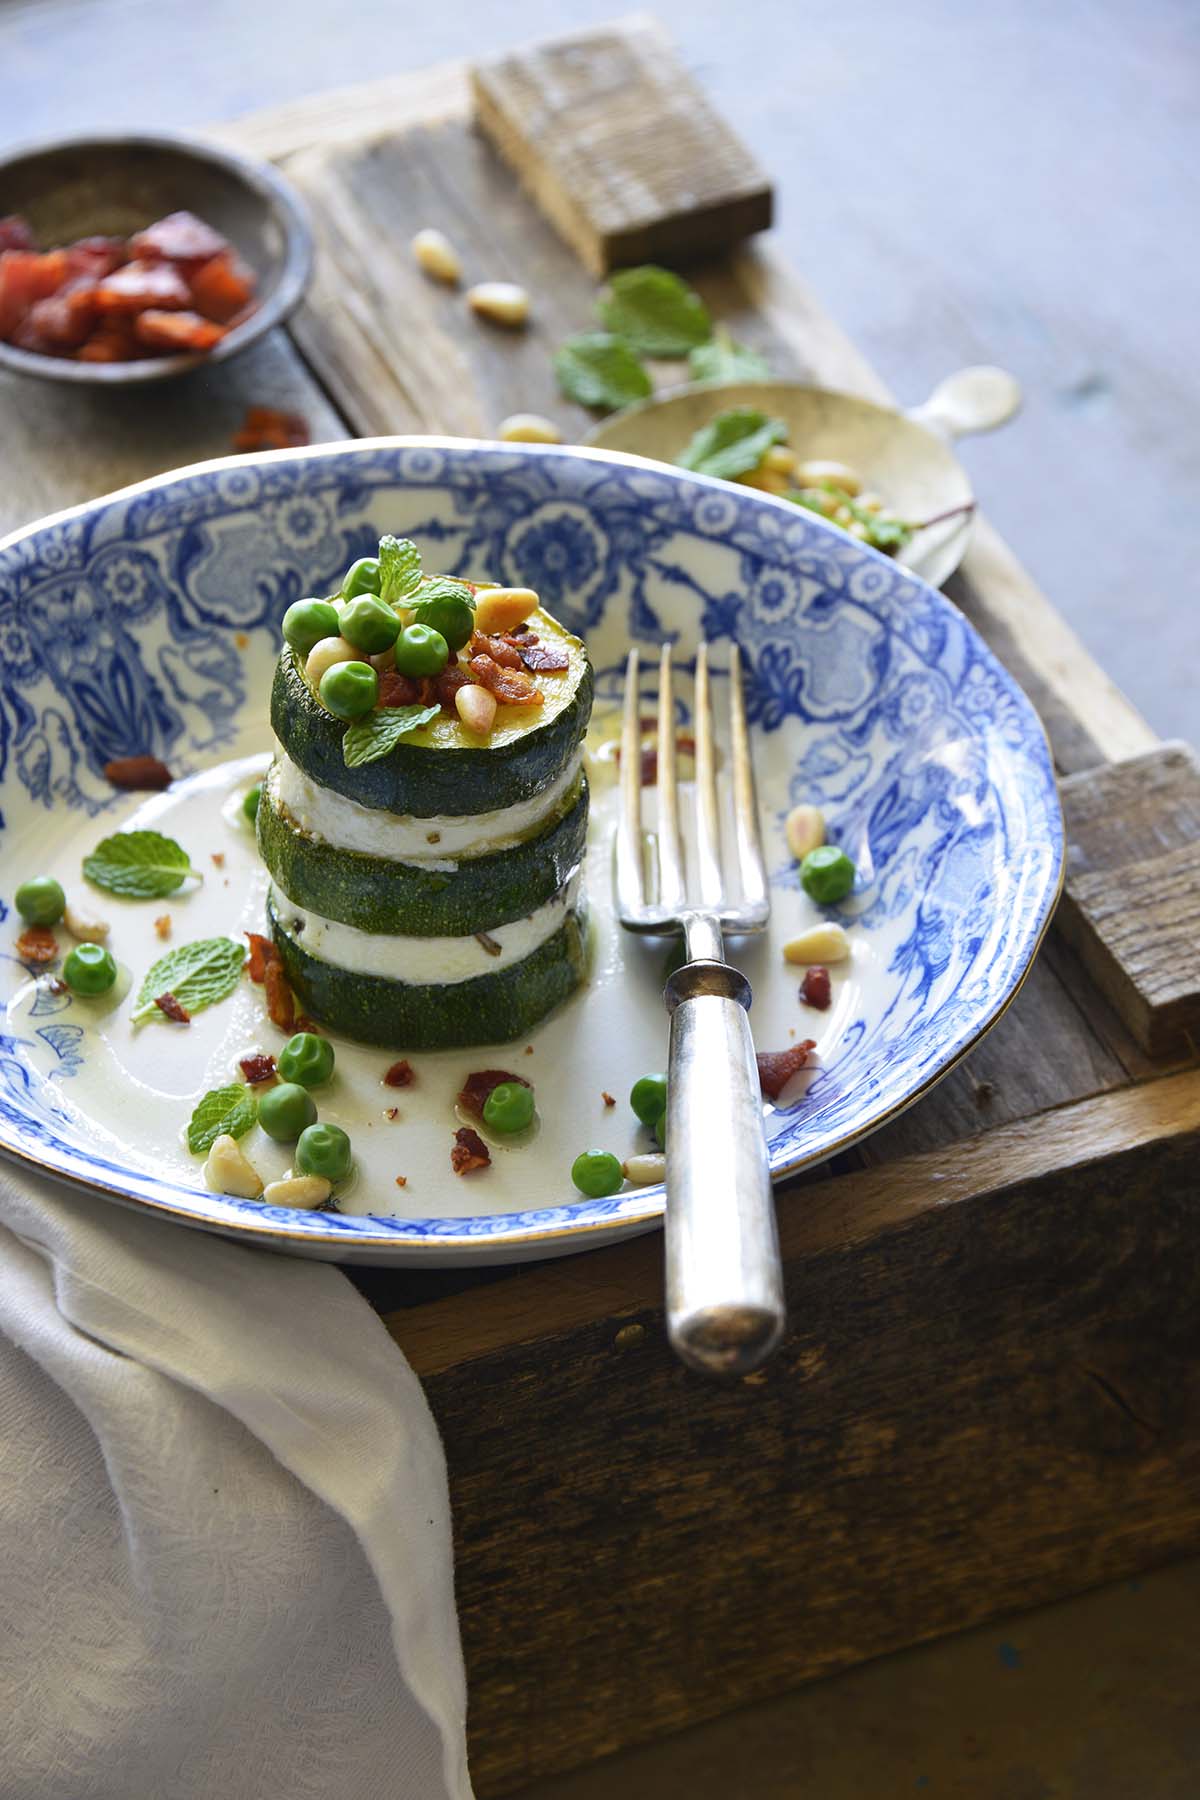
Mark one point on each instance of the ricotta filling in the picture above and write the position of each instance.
(423, 961)
(433, 843)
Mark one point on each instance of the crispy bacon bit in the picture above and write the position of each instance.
(400, 1074)
(138, 773)
(26, 277)
(685, 745)
(266, 428)
(402, 1180)
(96, 257)
(141, 285)
(162, 925)
(185, 332)
(281, 1002)
(544, 660)
(497, 648)
(304, 1023)
(396, 689)
(37, 945)
(257, 1069)
(112, 341)
(15, 233)
(61, 322)
(529, 1049)
(262, 954)
(469, 1152)
(447, 684)
(218, 857)
(487, 943)
(816, 989)
(55, 984)
(477, 1087)
(222, 287)
(608, 1099)
(776, 1067)
(391, 1112)
(173, 1009)
(512, 687)
(180, 237)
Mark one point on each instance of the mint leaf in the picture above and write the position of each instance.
(399, 568)
(655, 311)
(370, 738)
(724, 360)
(596, 369)
(223, 1112)
(441, 587)
(732, 443)
(197, 974)
(143, 865)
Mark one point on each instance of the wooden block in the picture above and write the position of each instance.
(1131, 907)
(620, 148)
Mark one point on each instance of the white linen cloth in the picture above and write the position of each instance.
(225, 1555)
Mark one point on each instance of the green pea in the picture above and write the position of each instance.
(827, 874)
(89, 969)
(362, 577)
(597, 1173)
(40, 901)
(284, 1111)
(307, 622)
(420, 650)
(324, 1150)
(452, 616)
(250, 803)
(648, 1096)
(660, 1129)
(508, 1107)
(306, 1058)
(369, 625)
(349, 689)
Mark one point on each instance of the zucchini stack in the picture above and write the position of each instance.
(430, 896)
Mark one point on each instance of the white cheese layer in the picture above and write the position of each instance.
(345, 825)
(422, 960)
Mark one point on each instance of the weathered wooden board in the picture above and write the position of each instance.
(620, 148)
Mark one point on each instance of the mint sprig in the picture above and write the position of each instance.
(197, 974)
(399, 568)
(141, 865)
(654, 311)
(723, 359)
(598, 370)
(732, 444)
(222, 1112)
(370, 738)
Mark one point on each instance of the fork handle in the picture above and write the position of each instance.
(725, 1308)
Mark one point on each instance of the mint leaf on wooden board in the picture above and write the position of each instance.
(723, 359)
(223, 1112)
(655, 311)
(197, 974)
(142, 865)
(602, 371)
(370, 738)
(732, 444)
(399, 568)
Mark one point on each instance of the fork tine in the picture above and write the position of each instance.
(670, 851)
(745, 801)
(630, 862)
(708, 827)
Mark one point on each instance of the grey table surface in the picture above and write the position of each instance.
(1006, 182)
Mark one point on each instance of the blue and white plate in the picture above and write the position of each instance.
(148, 622)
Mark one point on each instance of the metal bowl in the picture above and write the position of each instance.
(113, 185)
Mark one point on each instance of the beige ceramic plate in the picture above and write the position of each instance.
(906, 457)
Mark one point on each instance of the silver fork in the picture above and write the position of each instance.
(725, 1309)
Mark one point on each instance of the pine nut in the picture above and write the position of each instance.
(528, 428)
(822, 944)
(779, 458)
(499, 609)
(324, 654)
(645, 1169)
(767, 481)
(476, 708)
(89, 931)
(503, 302)
(437, 256)
(227, 1171)
(298, 1190)
(835, 474)
(804, 829)
(383, 660)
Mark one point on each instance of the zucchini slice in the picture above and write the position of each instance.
(378, 893)
(441, 768)
(398, 1015)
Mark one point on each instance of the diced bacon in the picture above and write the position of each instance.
(262, 954)
(544, 660)
(177, 331)
(257, 1069)
(396, 689)
(25, 278)
(142, 285)
(281, 1002)
(469, 1151)
(64, 320)
(512, 687)
(172, 1008)
(447, 684)
(15, 233)
(112, 341)
(816, 989)
(400, 1075)
(266, 428)
(222, 287)
(181, 237)
(776, 1067)
(95, 257)
(498, 648)
(37, 945)
(138, 773)
(477, 1087)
